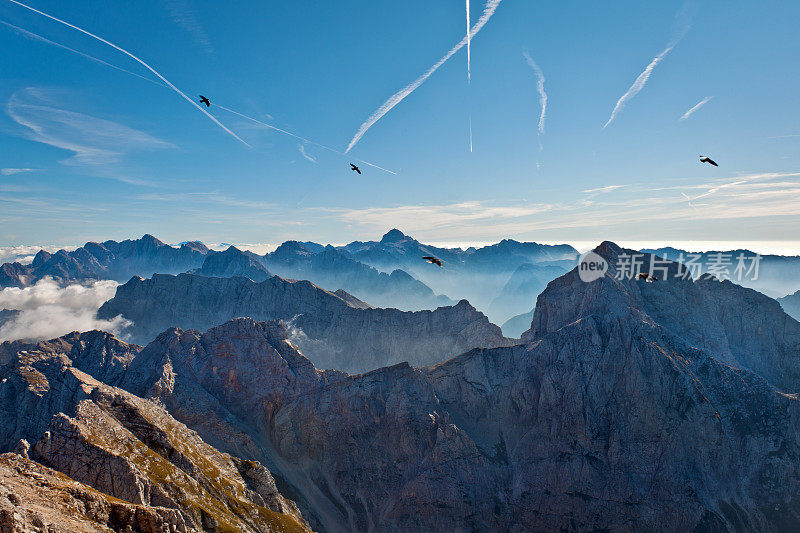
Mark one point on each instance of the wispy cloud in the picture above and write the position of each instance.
(602, 190)
(302, 148)
(138, 60)
(738, 197)
(488, 11)
(682, 19)
(11, 171)
(539, 87)
(24, 253)
(184, 16)
(416, 217)
(93, 141)
(697, 106)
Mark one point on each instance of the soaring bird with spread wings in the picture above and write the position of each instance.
(204, 100)
(432, 260)
(706, 159)
(355, 168)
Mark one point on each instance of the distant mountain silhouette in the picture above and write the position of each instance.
(108, 260)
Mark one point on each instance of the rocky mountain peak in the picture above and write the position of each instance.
(730, 321)
(40, 258)
(393, 236)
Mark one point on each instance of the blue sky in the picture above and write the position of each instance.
(115, 156)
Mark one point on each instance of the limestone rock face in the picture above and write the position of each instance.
(334, 331)
(34, 498)
(739, 326)
(124, 447)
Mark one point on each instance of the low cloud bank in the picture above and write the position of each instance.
(48, 310)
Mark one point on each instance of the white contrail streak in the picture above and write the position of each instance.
(270, 126)
(638, 85)
(160, 84)
(539, 87)
(469, 53)
(45, 40)
(488, 11)
(469, 71)
(700, 104)
(470, 134)
(141, 62)
(683, 19)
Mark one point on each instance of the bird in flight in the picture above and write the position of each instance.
(647, 277)
(355, 168)
(432, 260)
(706, 159)
(205, 100)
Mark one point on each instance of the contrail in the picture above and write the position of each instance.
(470, 134)
(141, 62)
(160, 84)
(700, 104)
(469, 53)
(638, 85)
(309, 141)
(45, 40)
(469, 72)
(488, 11)
(682, 18)
(540, 88)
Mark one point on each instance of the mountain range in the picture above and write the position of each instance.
(386, 273)
(627, 405)
(773, 275)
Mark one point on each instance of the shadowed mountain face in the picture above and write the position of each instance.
(233, 262)
(109, 260)
(739, 326)
(631, 405)
(92, 457)
(334, 330)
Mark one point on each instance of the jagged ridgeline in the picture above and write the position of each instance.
(627, 406)
(501, 280)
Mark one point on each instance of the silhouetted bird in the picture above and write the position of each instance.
(204, 100)
(706, 159)
(432, 260)
(353, 167)
(647, 277)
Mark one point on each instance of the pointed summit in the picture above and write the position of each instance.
(394, 235)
